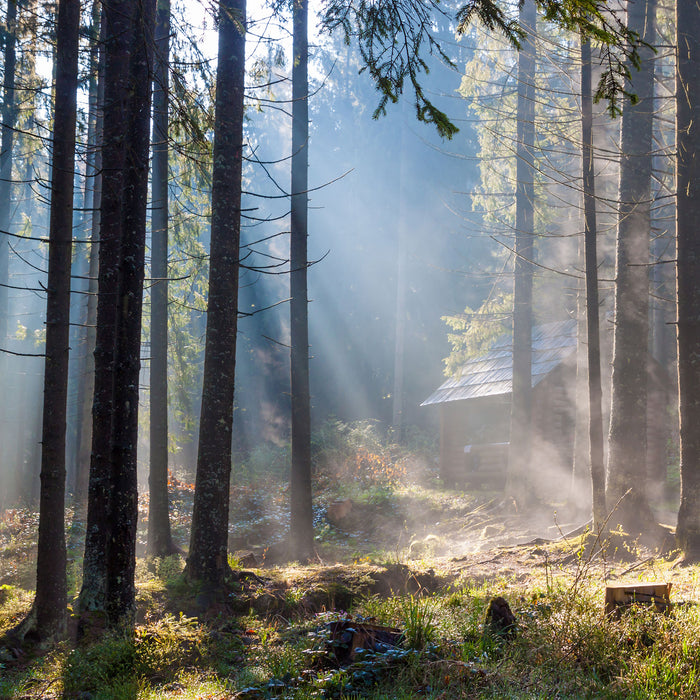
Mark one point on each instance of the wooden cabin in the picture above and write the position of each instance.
(475, 412)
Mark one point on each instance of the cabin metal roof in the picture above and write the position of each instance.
(492, 374)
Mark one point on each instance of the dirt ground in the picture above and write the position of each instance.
(448, 542)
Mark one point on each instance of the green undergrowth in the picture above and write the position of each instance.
(565, 646)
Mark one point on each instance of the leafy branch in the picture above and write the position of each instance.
(394, 37)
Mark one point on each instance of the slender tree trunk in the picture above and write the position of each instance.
(688, 270)
(581, 472)
(93, 178)
(49, 615)
(398, 398)
(301, 525)
(160, 541)
(207, 560)
(628, 427)
(51, 553)
(9, 117)
(520, 452)
(595, 393)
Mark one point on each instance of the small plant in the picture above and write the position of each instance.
(6, 592)
(419, 619)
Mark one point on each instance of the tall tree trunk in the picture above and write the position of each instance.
(579, 498)
(93, 180)
(160, 541)
(520, 452)
(688, 270)
(51, 552)
(595, 393)
(121, 544)
(301, 524)
(207, 560)
(628, 426)
(117, 18)
(48, 617)
(398, 397)
(9, 117)
(109, 564)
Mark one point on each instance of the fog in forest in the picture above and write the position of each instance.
(405, 228)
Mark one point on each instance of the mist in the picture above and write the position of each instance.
(405, 228)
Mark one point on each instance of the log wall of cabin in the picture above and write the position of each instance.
(486, 420)
(470, 422)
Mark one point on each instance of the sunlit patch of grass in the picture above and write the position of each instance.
(565, 647)
(14, 605)
(32, 676)
(154, 656)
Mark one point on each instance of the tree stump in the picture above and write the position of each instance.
(622, 596)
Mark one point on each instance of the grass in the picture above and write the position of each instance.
(565, 646)
(274, 638)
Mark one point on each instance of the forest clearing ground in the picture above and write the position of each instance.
(268, 639)
(393, 545)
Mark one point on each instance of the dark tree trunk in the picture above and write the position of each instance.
(301, 525)
(688, 271)
(49, 615)
(595, 393)
(160, 541)
(51, 554)
(93, 185)
(627, 439)
(109, 563)
(520, 451)
(117, 18)
(9, 117)
(207, 560)
(121, 543)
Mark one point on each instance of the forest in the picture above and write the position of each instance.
(355, 349)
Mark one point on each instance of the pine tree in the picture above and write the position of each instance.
(207, 560)
(301, 524)
(160, 541)
(48, 616)
(628, 415)
(688, 267)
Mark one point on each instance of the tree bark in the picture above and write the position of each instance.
(9, 117)
(93, 186)
(628, 427)
(520, 452)
(595, 393)
(398, 420)
(109, 564)
(160, 541)
(49, 615)
(207, 560)
(117, 18)
(121, 543)
(301, 524)
(688, 271)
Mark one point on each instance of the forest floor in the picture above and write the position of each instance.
(415, 557)
(394, 549)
